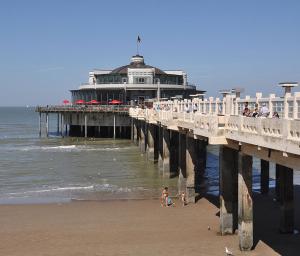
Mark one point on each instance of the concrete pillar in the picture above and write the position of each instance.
(57, 123)
(245, 203)
(200, 163)
(174, 142)
(135, 132)
(85, 126)
(190, 170)
(166, 152)
(114, 126)
(143, 137)
(62, 124)
(228, 167)
(182, 163)
(138, 126)
(160, 147)
(47, 124)
(264, 176)
(40, 124)
(131, 130)
(150, 143)
(277, 181)
(286, 187)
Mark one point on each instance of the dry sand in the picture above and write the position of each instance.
(136, 227)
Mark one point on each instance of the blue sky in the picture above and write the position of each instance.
(48, 47)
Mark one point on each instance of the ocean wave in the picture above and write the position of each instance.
(67, 148)
(94, 188)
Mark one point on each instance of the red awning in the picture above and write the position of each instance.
(66, 101)
(79, 102)
(115, 102)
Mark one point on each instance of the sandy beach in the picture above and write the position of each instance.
(136, 227)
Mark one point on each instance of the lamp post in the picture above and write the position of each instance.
(288, 86)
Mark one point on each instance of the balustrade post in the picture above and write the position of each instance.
(286, 105)
(258, 96)
(295, 105)
(271, 96)
(210, 103)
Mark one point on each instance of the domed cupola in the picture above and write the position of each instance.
(137, 59)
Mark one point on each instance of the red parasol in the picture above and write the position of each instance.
(66, 101)
(115, 102)
(79, 102)
(93, 102)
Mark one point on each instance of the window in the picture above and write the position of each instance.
(141, 80)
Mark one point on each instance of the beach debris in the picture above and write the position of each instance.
(208, 227)
(228, 252)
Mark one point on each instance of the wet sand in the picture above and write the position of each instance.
(137, 227)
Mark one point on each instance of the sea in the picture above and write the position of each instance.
(56, 169)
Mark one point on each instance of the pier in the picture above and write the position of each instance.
(175, 134)
(87, 121)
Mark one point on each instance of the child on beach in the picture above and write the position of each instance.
(164, 197)
(183, 199)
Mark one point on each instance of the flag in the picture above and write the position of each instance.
(138, 39)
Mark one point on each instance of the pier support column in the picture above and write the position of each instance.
(277, 181)
(143, 137)
(174, 142)
(200, 161)
(166, 152)
(245, 203)
(182, 163)
(40, 124)
(135, 132)
(62, 121)
(85, 126)
(114, 126)
(190, 170)
(228, 167)
(138, 133)
(286, 187)
(47, 124)
(57, 124)
(160, 148)
(150, 143)
(131, 130)
(264, 177)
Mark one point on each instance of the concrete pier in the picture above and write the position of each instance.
(200, 164)
(143, 137)
(135, 132)
(85, 126)
(190, 170)
(47, 124)
(174, 153)
(166, 153)
(150, 143)
(245, 202)
(277, 181)
(160, 147)
(286, 188)
(182, 163)
(62, 125)
(264, 177)
(228, 165)
(40, 124)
